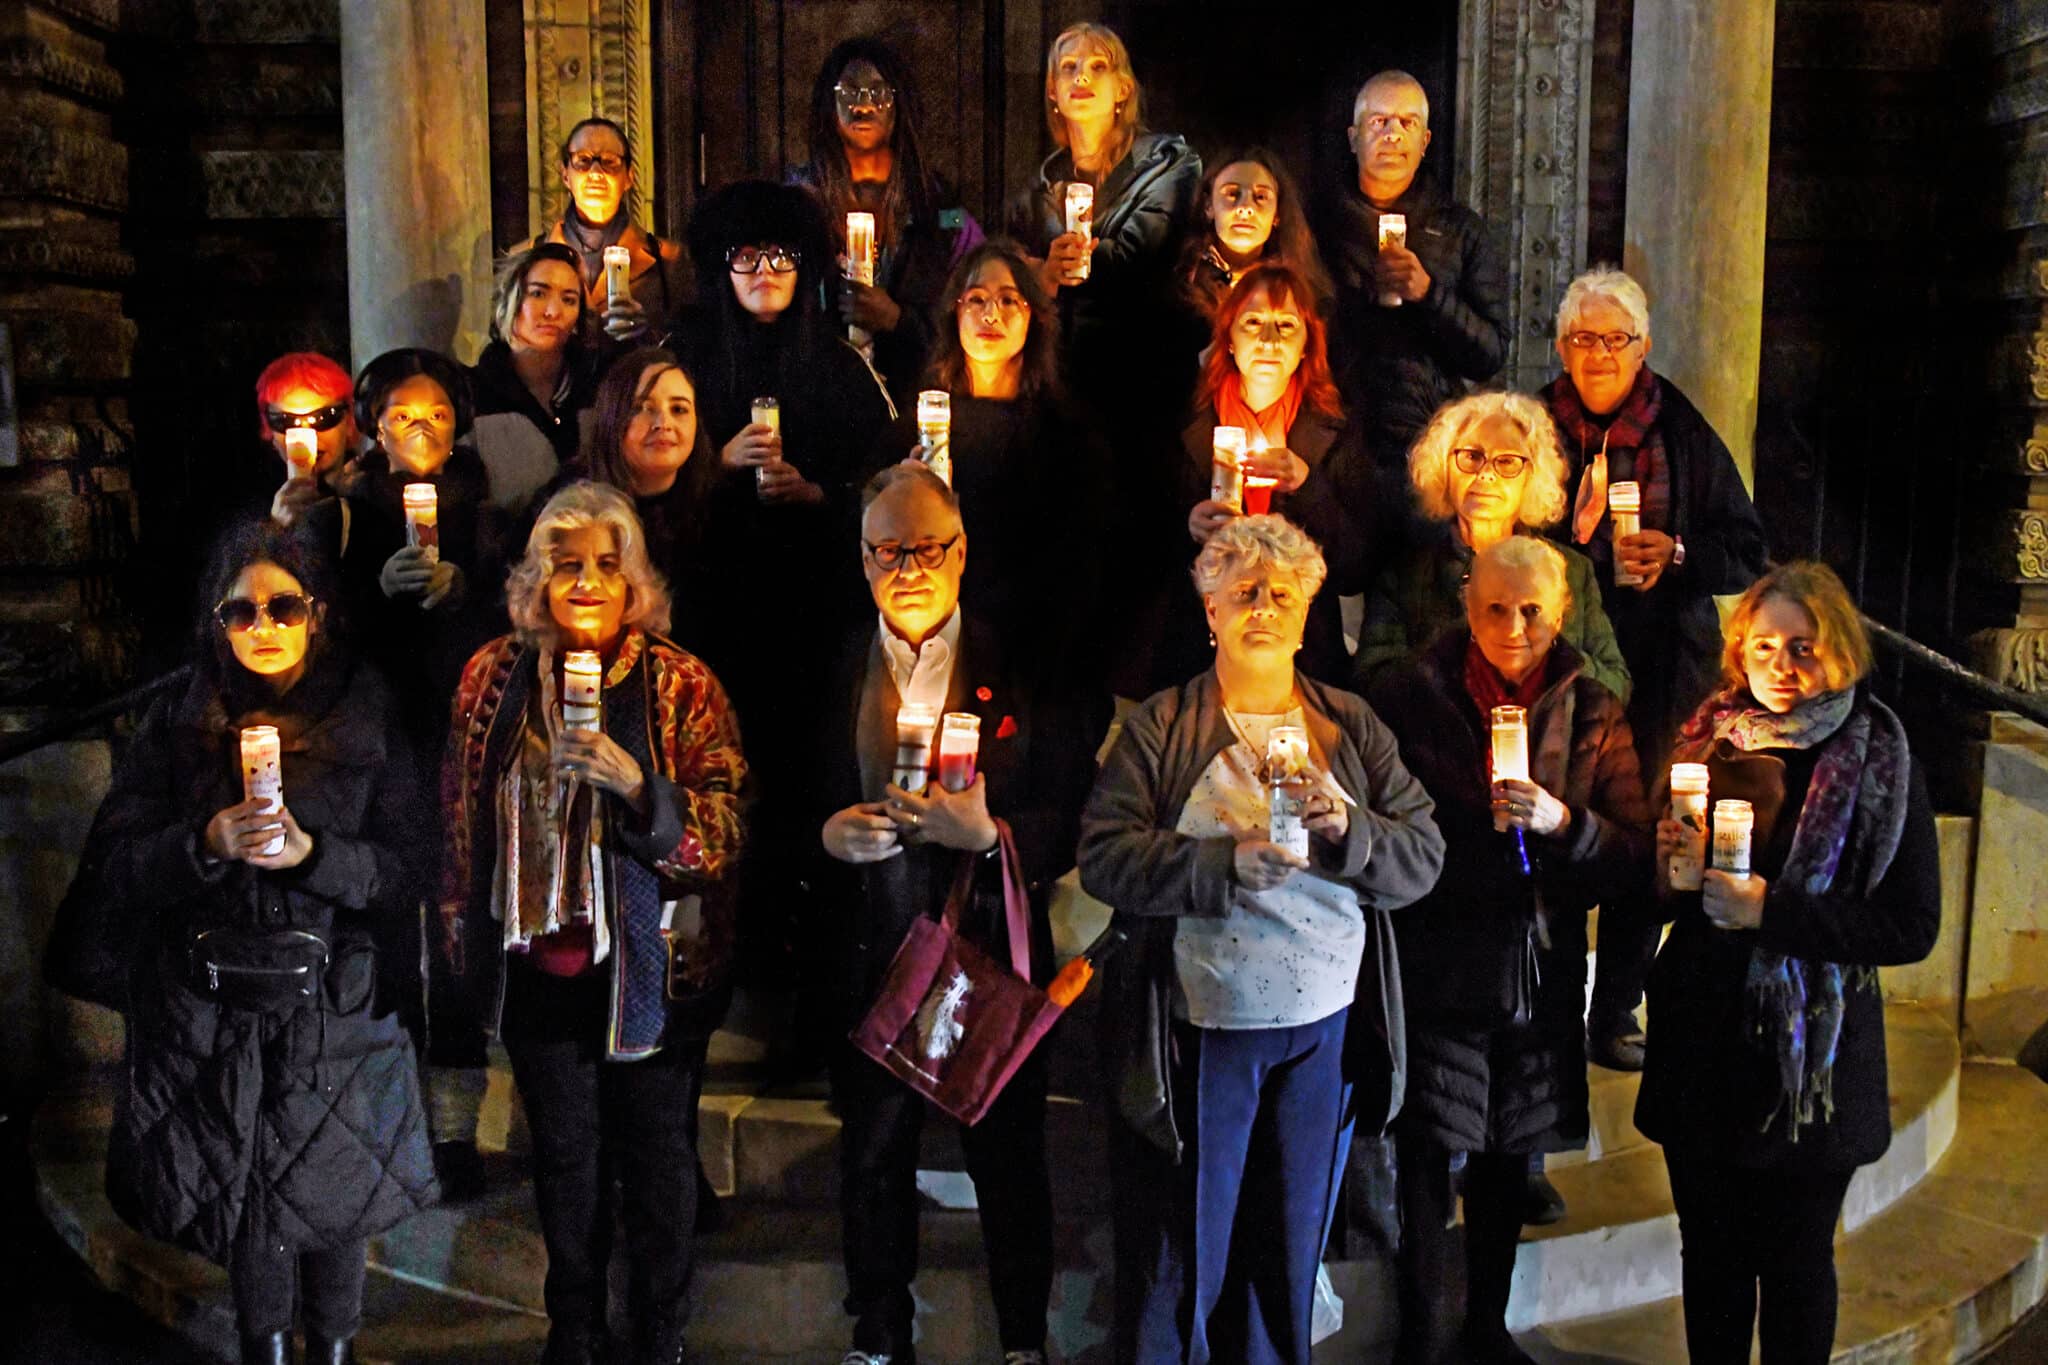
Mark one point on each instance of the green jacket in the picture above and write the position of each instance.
(1421, 594)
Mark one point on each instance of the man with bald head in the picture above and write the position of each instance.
(1416, 321)
(893, 849)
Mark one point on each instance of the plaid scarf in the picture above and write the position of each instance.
(1848, 831)
(1628, 447)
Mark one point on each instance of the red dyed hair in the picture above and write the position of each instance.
(1283, 284)
(298, 370)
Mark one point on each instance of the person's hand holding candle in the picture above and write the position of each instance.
(1397, 270)
(1646, 554)
(949, 819)
(624, 318)
(239, 833)
(410, 569)
(292, 500)
(1287, 470)
(1207, 517)
(1261, 865)
(862, 833)
(594, 757)
(1325, 816)
(1521, 804)
(1731, 901)
(868, 307)
(754, 446)
(1064, 256)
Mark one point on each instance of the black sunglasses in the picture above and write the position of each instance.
(319, 419)
(285, 610)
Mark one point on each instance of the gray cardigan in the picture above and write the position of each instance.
(1132, 858)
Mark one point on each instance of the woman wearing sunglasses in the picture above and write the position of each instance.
(305, 391)
(1486, 467)
(597, 172)
(785, 495)
(867, 157)
(271, 1116)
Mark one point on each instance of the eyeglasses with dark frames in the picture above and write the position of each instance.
(319, 419)
(750, 260)
(285, 610)
(1610, 342)
(583, 163)
(1471, 459)
(929, 554)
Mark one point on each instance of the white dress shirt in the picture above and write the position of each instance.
(922, 674)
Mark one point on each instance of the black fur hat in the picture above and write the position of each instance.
(750, 212)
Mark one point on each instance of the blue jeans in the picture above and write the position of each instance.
(1216, 1258)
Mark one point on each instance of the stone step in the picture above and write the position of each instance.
(1940, 1275)
(1618, 1244)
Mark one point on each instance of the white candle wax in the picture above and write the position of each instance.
(1689, 808)
(263, 775)
(582, 690)
(423, 519)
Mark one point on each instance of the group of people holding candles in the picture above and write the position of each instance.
(553, 673)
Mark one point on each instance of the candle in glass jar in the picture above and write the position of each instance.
(1393, 232)
(1689, 808)
(1624, 510)
(860, 247)
(1226, 475)
(618, 275)
(1510, 749)
(935, 431)
(1733, 822)
(301, 451)
(1286, 764)
(767, 413)
(1258, 491)
(1081, 217)
(423, 520)
(959, 747)
(263, 776)
(915, 724)
(582, 690)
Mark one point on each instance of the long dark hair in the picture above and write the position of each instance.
(754, 211)
(618, 399)
(1292, 242)
(1040, 377)
(260, 541)
(912, 194)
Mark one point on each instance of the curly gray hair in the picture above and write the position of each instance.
(576, 507)
(1429, 460)
(1531, 555)
(1604, 282)
(1244, 543)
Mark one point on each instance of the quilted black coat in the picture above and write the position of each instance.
(1477, 1083)
(307, 1121)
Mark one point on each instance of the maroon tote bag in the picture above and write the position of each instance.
(951, 1022)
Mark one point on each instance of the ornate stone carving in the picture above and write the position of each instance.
(1523, 71)
(38, 252)
(2018, 550)
(2016, 656)
(68, 349)
(282, 184)
(35, 59)
(269, 21)
(584, 59)
(38, 161)
(104, 15)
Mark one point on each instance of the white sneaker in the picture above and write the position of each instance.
(864, 1358)
(1023, 1358)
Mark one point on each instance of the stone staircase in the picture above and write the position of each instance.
(1944, 1247)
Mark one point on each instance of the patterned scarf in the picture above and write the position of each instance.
(1848, 831)
(1628, 447)
(1273, 423)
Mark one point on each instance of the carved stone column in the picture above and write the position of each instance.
(587, 58)
(417, 149)
(1699, 143)
(1524, 67)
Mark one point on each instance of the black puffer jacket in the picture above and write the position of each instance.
(1477, 1084)
(1399, 365)
(308, 1122)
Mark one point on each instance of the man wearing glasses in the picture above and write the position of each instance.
(895, 846)
(1417, 314)
(597, 171)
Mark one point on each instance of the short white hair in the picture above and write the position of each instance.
(1244, 543)
(1429, 459)
(1604, 282)
(1389, 77)
(575, 507)
(1531, 555)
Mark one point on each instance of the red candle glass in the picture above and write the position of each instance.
(959, 747)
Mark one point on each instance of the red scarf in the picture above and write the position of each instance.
(1628, 447)
(1489, 689)
(1274, 423)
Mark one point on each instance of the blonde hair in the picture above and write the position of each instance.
(1604, 282)
(1244, 543)
(578, 507)
(1839, 640)
(1429, 459)
(1103, 38)
(1530, 555)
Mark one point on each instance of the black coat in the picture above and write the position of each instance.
(309, 1123)
(522, 441)
(1339, 505)
(1706, 1090)
(1133, 858)
(1671, 635)
(1478, 1083)
(1399, 365)
(1038, 758)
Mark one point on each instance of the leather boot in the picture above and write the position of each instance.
(321, 1351)
(274, 1349)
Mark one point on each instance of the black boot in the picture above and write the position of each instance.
(660, 1341)
(274, 1349)
(321, 1351)
(573, 1344)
